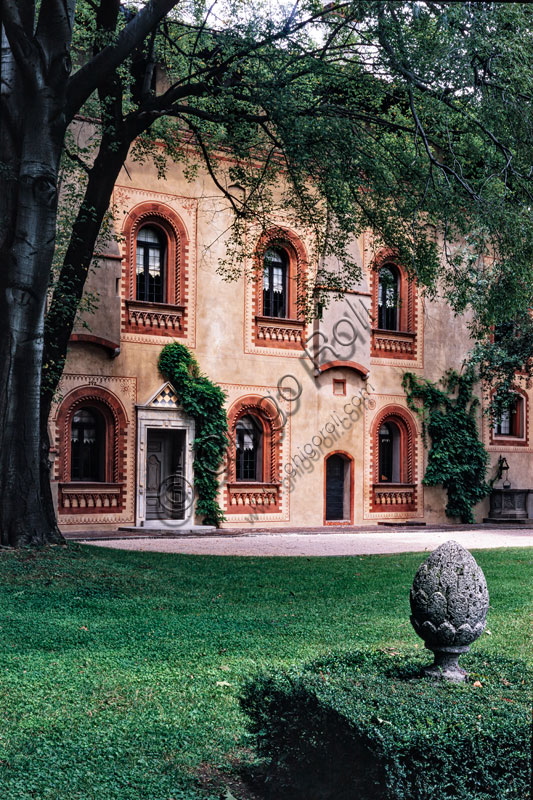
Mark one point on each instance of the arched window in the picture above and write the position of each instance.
(389, 442)
(87, 457)
(394, 462)
(388, 298)
(150, 266)
(275, 300)
(254, 456)
(92, 440)
(395, 310)
(277, 295)
(511, 422)
(249, 449)
(157, 272)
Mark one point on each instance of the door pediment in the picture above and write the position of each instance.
(162, 419)
(164, 397)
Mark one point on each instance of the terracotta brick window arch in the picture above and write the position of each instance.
(156, 250)
(511, 428)
(279, 290)
(91, 428)
(393, 443)
(254, 457)
(393, 310)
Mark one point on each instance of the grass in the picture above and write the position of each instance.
(120, 671)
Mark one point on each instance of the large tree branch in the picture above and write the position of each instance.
(207, 160)
(20, 40)
(55, 23)
(87, 79)
(110, 88)
(180, 110)
(18, 14)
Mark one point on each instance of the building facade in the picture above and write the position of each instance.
(319, 428)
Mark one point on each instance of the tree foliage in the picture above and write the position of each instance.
(204, 402)
(457, 458)
(504, 360)
(409, 120)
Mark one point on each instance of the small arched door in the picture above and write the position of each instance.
(338, 488)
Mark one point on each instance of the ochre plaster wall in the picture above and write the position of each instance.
(219, 332)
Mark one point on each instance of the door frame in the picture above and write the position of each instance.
(348, 483)
(161, 418)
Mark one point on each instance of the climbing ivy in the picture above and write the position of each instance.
(457, 458)
(204, 402)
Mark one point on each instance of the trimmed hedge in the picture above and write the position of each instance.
(365, 726)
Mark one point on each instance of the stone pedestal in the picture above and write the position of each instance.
(446, 663)
(508, 505)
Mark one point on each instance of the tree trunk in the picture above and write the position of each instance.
(37, 100)
(26, 255)
(35, 70)
(69, 289)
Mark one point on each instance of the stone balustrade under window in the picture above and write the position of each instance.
(394, 494)
(89, 497)
(273, 329)
(398, 343)
(154, 316)
(253, 497)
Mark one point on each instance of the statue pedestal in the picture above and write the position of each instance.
(446, 665)
(509, 506)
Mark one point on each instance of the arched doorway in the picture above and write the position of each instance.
(338, 488)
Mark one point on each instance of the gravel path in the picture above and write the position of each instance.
(326, 544)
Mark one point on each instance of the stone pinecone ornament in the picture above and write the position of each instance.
(449, 603)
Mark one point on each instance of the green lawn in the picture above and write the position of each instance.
(120, 671)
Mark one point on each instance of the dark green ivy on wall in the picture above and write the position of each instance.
(457, 457)
(203, 400)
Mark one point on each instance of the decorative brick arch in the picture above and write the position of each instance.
(113, 348)
(402, 343)
(401, 495)
(288, 333)
(250, 497)
(170, 317)
(353, 365)
(100, 497)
